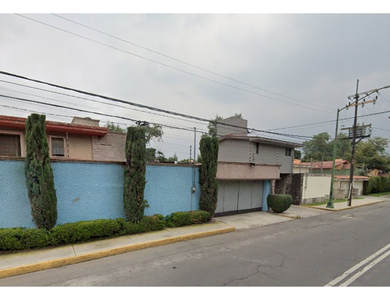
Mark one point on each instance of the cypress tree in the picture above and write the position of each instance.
(208, 172)
(134, 176)
(39, 174)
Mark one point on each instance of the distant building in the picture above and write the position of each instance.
(326, 166)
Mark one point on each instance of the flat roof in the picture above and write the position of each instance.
(261, 140)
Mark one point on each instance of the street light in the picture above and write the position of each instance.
(330, 203)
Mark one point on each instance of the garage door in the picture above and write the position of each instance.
(236, 196)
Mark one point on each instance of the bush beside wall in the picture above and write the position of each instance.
(16, 239)
(377, 184)
(279, 202)
(180, 218)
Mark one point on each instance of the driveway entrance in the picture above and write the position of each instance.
(239, 196)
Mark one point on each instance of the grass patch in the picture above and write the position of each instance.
(379, 194)
(334, 201)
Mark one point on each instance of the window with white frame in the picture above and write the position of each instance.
(10, 144)
(57, 146)
(288, 151)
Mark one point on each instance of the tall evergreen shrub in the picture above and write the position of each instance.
(208, 172)
(39, 174)
(134, 177)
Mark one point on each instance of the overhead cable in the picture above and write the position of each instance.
(183, 62)
(142, 105)
(169, 66)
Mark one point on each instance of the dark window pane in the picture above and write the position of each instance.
(57, 146)
(10, 145)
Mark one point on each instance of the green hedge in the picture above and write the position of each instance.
(16, 239)
(181, 218)
(279, 202)
(378, 184)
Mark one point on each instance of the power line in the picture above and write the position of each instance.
(163, 64)
(330, 121)
(96, 113)
(183, 62)
(140, 105)
(83, 98)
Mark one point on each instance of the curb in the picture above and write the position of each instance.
(345, 208)
(108, 252)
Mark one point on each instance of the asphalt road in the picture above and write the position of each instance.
(343, 248)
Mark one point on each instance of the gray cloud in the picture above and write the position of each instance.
(312, 58)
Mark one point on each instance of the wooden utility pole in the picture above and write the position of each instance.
(358, 97)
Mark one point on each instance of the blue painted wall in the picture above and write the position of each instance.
(15, 208)
(88, 191)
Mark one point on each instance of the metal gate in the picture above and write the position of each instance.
(236, 196)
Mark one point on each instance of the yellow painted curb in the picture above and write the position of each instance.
(104, 253)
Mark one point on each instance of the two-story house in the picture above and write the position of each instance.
(248, 167)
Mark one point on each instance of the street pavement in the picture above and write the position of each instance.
(13, 264)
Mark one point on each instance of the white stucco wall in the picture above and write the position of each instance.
(316, 188)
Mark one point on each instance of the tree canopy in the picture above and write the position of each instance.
(152, 132)
(369, 153)
(372, 154)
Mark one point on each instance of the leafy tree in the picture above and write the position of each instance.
(173, 158)
(150, 155)
(134, 176)
(212, 127)
(114, 128)
(372, 153)
(39, 174)
(318, 148)
(343, 147)
(152, 132)
(208, 171)
(297, 154)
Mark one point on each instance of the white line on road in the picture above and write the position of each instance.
(359, 265)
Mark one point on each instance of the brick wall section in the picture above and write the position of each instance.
(111, 147)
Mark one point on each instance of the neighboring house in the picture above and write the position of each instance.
(248, 167)
(341, 184)
(83, 139)
(321, 166)
(317, 180)
(377, 172)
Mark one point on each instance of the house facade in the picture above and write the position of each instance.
(248, 167)
(82, 139)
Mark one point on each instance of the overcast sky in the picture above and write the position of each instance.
(285, 73)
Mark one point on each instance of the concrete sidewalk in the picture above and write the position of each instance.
(363, 201)
(35, 260)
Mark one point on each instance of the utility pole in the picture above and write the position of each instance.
(357, 97)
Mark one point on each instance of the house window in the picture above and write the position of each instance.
(57, 146)
(288, 151)
(257, 148)
(10, 145)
